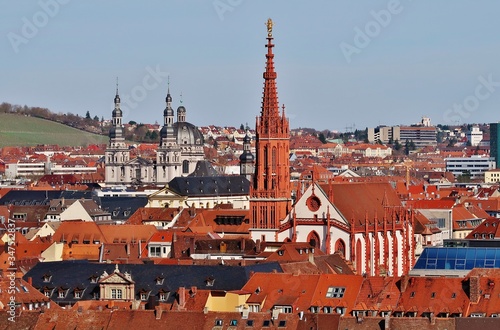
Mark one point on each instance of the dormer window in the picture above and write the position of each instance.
(162, 296)
(159, 280)
(78, 294)
(61, 293)
(47, 292)
(209, 281)
(47, 278)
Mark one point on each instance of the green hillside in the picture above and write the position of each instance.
(18, 130)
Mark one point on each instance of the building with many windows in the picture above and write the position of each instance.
(475, 166)
(421, 135)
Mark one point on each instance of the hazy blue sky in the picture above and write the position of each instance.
(339, 63)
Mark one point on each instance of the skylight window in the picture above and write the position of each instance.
(335, 292)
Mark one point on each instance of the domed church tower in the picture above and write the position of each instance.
(117, 153)
(181, 145)
(168, 155)
(247, 160)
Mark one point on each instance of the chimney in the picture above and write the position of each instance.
(30, 281)
(257, 246)
(243, 244)
(182, 297)
(311, 256)
(158, 312)
(193, 291)
(404, 282)
(474, 289)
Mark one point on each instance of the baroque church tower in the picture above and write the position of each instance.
(270, 193)
(168, 155)
(117, 153)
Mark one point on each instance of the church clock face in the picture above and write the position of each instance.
(313, 203)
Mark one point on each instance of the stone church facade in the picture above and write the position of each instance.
(180, 148)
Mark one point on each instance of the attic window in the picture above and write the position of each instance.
(412, 294)
(453, 295)
(47, 278)
(433, 295)
(61, 293)
(281, 252)
(93, 279)
(159, 280)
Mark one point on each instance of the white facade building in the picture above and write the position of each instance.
(476, 166)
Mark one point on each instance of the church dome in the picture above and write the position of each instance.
(168, 111)
(187, 134)
(115, 131)
(117, 112)
(247, 157)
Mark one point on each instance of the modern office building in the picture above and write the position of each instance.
(494, 143)
(422, 135)
(475, 166)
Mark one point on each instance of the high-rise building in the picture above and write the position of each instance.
(270, 193)
(495, 143)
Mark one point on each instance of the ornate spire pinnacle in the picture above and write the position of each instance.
(168, 98)
(269, 25)
(270, 106)
(117, 97)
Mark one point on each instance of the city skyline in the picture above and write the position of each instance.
(339, 64)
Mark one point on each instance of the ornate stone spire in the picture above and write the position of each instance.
(270, 193)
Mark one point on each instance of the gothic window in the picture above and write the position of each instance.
(274, 160)
(340, 246)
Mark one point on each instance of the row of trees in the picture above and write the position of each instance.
(139, 133)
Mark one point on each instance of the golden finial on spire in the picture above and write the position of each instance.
(269, 25)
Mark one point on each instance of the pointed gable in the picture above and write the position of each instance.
(315, 200)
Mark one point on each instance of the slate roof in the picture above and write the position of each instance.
(41, 197)
(121, 208)
(210, 186)
(204, 169)
(78, 273)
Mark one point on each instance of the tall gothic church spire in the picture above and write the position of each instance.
(270, 196)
